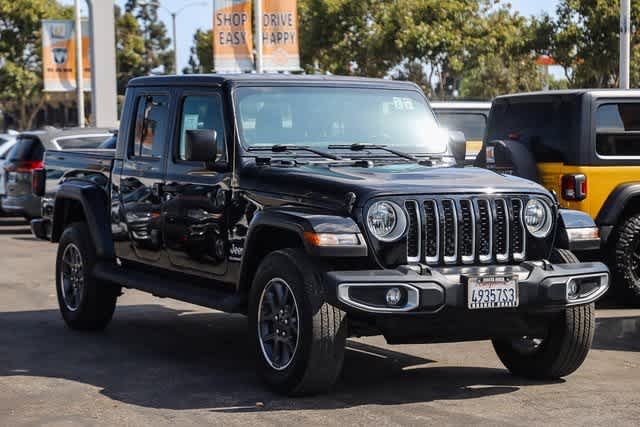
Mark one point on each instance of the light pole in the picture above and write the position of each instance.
(625, 42)
(257, 11)
(174, 14)
(79, 66)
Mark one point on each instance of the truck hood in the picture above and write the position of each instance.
(331, 184)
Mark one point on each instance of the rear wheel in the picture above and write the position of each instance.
(299, 339)
(625, 263)
(85, 303)
(564, 347)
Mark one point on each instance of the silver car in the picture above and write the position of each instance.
(27, 154)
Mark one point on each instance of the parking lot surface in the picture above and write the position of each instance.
(162, 362)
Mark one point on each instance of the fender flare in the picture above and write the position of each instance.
(614, 206)
(571, 219)
(95, 206)
(297, 222)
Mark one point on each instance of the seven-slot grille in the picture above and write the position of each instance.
(466, 231)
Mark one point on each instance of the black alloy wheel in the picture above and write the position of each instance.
(278, 331)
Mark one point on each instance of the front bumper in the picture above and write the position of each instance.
(434, 306)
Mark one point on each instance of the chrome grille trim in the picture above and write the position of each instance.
(413, 206)
(434, 259)
(469, 259)
(486, 258)
(504, 256)
(450, 259)
(519, 256)
(466, 230)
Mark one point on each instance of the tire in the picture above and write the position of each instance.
(313, 359)
(565, 346)
(85, 303)
(563, 256)
(625, 262)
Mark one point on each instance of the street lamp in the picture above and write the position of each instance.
(174, 14)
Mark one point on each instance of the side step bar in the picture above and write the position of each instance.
(168, 288)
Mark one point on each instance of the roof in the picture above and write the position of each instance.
(248, 79)
(461, 105)
(597, 93)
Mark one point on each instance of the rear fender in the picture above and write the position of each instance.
(94, 203)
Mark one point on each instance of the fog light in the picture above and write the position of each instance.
(394, 295)
(573, 290)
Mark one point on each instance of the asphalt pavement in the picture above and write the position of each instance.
(162, 362)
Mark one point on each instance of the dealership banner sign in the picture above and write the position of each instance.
(59, 55)
(280, 35)
(232, 36)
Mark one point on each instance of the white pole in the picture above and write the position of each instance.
(625, 42)
(175, 44)
(79, 67)
(257, 10)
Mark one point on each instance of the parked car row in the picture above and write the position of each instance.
(25, 153)
(349, 200)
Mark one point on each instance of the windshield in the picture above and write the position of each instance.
(318, 117)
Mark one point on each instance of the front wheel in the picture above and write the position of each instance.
(299, 339)
(556, 355)
(562, 350)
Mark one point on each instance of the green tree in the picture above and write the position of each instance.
(348, 37)
(438, 34)
(130, 49)
(158, 58)
(501, 57)
(21, 53)
(201, 58)
(586, 42)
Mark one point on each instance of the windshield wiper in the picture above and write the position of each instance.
(283, 148)
(359, 147)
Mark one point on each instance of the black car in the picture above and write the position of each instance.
(322, 208)
(27, 155)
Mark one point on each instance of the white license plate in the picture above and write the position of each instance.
(492, 292)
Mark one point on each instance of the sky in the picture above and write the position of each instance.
(200, 15)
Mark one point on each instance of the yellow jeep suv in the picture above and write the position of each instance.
(584, 145)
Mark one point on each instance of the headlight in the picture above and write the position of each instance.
(386, 221)
(538, 218)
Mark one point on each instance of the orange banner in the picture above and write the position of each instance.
(59, 55)
(232, 36)
(280, 35)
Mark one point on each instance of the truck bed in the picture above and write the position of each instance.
(95, 160)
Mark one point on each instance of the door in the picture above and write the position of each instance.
(141, 174)
(195, 195)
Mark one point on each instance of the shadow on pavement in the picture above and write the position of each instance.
(13, 221)
(617, 333)
(158, 357)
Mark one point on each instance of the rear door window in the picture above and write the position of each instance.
(471, 124)
(618, 129)
(27, 148)
(547, 127)
(152, 119)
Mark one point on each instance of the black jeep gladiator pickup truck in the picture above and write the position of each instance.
(323, 208)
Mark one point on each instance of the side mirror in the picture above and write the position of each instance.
(201, 145)
(458, 146)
